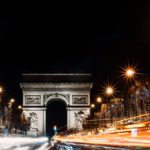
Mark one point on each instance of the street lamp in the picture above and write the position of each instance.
(129, 72)
(1, 91)
(99, 99)
(109, 90)
(19, 107)
(55, 129)
(12, 100)
(92, 105)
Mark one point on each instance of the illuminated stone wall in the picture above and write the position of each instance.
(36, 96)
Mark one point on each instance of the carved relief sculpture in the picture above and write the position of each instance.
(32, 99)
(34, 120)
(79, 99)
(79, 119)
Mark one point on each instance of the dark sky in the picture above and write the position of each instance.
(92, 38)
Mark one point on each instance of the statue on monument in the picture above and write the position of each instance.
(33, 119)
(79, 119)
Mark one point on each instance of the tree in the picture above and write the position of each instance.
(138, 97)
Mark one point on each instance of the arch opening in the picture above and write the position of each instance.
(56, 114)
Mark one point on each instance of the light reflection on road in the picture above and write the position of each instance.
(113, 139)
(24, 143)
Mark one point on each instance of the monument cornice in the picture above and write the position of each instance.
(55, 89)
(56, 86)
(76, 108)
(34, 108)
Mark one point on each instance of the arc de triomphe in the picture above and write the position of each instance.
(40, 89)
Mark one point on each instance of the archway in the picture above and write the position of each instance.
(56, 114)
(41, 90)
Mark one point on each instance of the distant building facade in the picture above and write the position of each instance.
(40, 89)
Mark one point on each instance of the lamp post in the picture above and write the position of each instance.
(11, 102)
(99, 101)
(109, 91)
(10, 113)
(129, 73)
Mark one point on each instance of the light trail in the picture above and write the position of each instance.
(21, 140)
(133, 117)
(24, 143)
(126, 135)
(114, 139)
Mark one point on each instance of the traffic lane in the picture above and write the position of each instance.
(24, 143)
(77, 146)
(114, 140)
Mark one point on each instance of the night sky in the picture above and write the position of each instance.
(72, 38)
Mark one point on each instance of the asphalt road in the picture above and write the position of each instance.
(24, 143)
(73, 146)
(43, 143)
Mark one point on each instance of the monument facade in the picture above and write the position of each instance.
(39, 90)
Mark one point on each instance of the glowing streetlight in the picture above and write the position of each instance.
(12, 100)
(99, 99)
(109, 91)
(92, 105)
(19, 107)
(1, 89)
(130, 72)
(55, 129)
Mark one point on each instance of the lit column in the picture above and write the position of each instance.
(68, 118)
(44, 121)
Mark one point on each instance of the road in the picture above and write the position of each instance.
(74, 146)
(77, 142)
(114, 140)
(24, 143)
